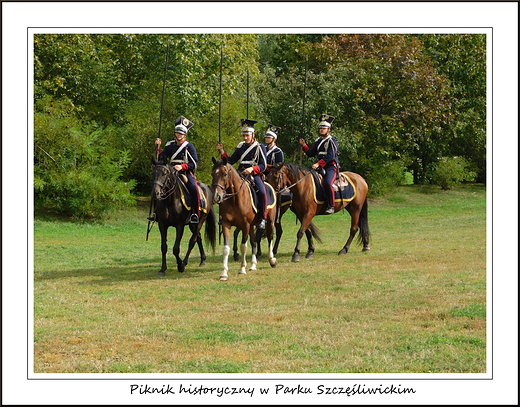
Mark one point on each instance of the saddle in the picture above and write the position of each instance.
(344, 189)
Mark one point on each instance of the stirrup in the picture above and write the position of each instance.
(261, 224)
(194, 218)
(330, 210)
(151, 218)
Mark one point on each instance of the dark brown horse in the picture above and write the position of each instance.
(301, 183)
(171, 211)
(233, 195)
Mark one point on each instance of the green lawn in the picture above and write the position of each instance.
(415, 303)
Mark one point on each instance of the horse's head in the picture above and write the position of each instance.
(162, 178)
(277, 177)
(221, 175)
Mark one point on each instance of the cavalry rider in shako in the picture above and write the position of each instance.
(274, 154)
(183, 157)
(251, 156)
(326, 148)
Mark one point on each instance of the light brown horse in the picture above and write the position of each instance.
(300, 181)
(232, 193)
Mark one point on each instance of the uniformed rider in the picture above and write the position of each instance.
(326, 149)
(251, 156)
(274, 153)
(183, 157)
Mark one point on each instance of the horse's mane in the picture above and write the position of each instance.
(296, 168)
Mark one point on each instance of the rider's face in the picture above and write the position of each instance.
(248, 137)
(180, 136)
(324, 131)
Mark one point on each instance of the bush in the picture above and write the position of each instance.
(384, 178)
(452, 171)
(77, 170)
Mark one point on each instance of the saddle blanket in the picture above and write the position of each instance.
(185, 197)
(344, 190)
(271, 196)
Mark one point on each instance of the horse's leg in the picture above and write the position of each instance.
(243, 251)
(305, 222)
(201, 250)
(354, 214)
(236, 256)
(177, 248)
(195, 238)
(310, 242)
(270, 254)
(164, 247)
(225, 253)
(279, 232)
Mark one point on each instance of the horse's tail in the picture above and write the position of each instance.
(211, 228)
(364, 232)
(315, 231)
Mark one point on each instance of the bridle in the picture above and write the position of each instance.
(167, 187)
(224, 188)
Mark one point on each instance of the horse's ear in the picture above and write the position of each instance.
(214, 160)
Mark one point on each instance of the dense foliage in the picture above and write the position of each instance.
(402, 103)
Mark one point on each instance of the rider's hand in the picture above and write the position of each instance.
(220, 148)
(302, 142)
(177, 167)
(248, 170)
(158, 141)
(315, 166)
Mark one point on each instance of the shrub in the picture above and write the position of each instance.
(452, 171)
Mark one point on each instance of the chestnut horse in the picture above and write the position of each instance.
(312, 232)
(300, 181)
(170, 211)
(232, 193)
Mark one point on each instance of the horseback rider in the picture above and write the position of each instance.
(251, 156)
(326, 148)
(183, 156)
(274, 153)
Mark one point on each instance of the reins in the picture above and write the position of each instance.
(292, 185)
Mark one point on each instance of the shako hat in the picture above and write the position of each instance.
(248, 126)
(182, 125)
(326, 120)
(273, 131)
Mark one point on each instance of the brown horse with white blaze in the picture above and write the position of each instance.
(232, 193)
(300, 181)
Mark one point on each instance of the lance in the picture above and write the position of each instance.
(219, 125)
(157, 147)
(247, 95)
(302, 133)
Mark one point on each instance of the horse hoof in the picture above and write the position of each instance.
(223, 278)
(242, 271)
(273, 262)
(296, 258)
(161, 273)
(309, 255)
(236, 257)
(181, 269)
(202, 264)
(365, 249)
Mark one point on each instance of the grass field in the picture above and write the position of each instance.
(415, 303)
